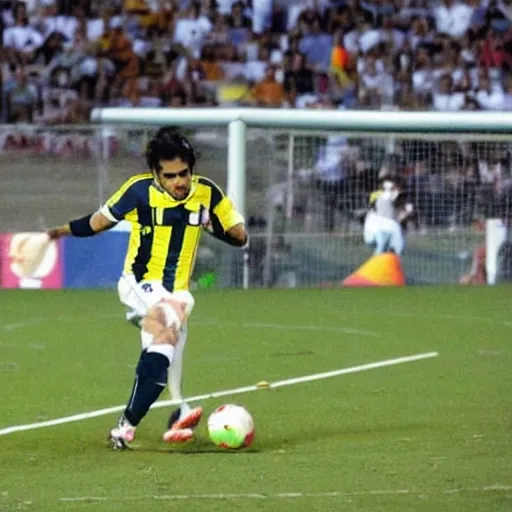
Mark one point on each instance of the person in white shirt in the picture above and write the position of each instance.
(192, 29)
(446, 99)
(452, 18)
(54, 22)
(489, 97)
(261, 15)
(254, 70)
(21, 40)
(224, 6)
(423, 75)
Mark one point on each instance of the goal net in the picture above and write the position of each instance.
(322, 184)
(307, 194)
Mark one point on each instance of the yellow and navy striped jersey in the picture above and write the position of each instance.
(374, 196)
(165, 232)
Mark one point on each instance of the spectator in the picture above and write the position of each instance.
(219, 34)
(452, 18)
(52, 21)
(507, 98)
(51, 48)
(239, 25)
(21, 98)
(423, 76)
(261, 15)
(299, 83)
(212, 70)
(191, 29)
(20, 40)
(119, 50)
(376, 83)
(232, 64)
(65, 68)
(268, 92)
(224, 6)
(488, 97)
(317, 46)
(255, 69)
(210, 9)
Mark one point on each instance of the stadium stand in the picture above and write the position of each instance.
(62, 56)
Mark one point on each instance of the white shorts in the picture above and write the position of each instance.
(139, 297)
(383, 232)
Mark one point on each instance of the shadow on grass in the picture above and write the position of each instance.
(295, 439)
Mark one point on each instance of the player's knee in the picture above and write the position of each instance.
(186, 298)
(157, 332)
(164, 320)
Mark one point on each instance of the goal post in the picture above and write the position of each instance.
(293, 138)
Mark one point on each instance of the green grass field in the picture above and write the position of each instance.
(430, 435)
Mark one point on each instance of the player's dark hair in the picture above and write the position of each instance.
(168, 144)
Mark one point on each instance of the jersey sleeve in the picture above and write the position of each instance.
(222, 210)
(122, 202)
(373, 197)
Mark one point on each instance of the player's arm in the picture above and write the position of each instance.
(85, 226)
(114, 210)
(224, 222)
(236, 235)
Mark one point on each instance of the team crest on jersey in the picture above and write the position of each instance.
(193, 218)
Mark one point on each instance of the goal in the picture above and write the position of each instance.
(302, 185)
(303, 179)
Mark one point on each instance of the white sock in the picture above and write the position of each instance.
(145, 339)
(176, 369)
(166, 350)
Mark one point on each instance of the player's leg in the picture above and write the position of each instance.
(382, 239)
(369, 229)
(160, 324)
(184, 417)
(396, 238)
(376, 233)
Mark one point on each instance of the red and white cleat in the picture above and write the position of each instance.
(174, 435)
(189, 420)
(181, 426)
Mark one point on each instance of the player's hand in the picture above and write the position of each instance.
(206, 221)
(53, 233)
(58, 232)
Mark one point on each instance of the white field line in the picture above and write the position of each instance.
(213, 323)
(227, 392)
(21, 325)
(254, 325)
(291, 495)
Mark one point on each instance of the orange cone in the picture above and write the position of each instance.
(381, 270)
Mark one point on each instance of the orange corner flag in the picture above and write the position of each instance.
(381, 270)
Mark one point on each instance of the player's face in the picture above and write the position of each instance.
(175, 178)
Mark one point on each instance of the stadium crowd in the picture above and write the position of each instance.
(63, 56)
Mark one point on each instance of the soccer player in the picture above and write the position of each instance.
(168, 208)
(383, 225)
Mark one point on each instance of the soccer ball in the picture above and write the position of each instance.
(231, 426)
